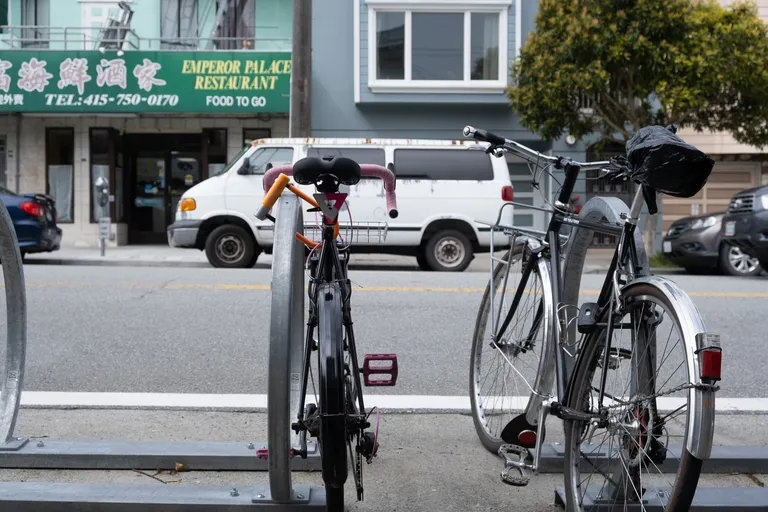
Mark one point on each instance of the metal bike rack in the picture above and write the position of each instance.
(286, 351)
(724, 459)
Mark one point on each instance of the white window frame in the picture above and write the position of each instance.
(500, 7)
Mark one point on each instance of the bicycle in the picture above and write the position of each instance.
(631, 413)
(338, 419)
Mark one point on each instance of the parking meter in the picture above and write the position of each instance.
(102, 190)
(101, 194)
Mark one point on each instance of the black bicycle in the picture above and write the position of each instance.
(339, 419)
(605, 358)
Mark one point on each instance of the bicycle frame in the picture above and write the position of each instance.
(624, 260)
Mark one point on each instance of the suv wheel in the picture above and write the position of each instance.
(230, 246)
(449, 251)
(735, 262)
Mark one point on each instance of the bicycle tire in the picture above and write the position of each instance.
(332, 437)
(544, 379)
(689, 469)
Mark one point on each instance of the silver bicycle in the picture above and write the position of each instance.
(633, 367)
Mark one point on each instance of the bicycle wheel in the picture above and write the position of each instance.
(510, 374)
(332, 399)
(652, 349)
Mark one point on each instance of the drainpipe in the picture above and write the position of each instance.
(18, 150)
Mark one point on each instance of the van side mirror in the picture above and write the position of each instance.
(269, 166)
(245, 169)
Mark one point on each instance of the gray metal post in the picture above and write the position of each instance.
(299, 122)
(596, 209)
(286, 342)
(16, 308)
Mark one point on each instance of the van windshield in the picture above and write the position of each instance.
(231, 162)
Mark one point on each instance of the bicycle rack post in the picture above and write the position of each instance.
(286, 343)
(16, 319)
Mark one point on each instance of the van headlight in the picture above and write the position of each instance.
(764, 201)
(187, 204)
(706, 222)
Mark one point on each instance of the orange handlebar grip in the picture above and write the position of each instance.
(271, 196)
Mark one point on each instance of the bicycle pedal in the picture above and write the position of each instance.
(379, 364)
(517, 471)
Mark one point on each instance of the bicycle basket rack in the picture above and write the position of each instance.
(351, 233)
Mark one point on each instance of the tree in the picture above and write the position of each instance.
(640, 62)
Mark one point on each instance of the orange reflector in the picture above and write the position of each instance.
(187, 204)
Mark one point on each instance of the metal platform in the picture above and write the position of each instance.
(724, 459)
(55, 497)
(707, 499)
(195, 456)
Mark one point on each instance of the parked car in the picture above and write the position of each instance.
(746, 223)
(695, 243)
(34, 218)
(443, 188)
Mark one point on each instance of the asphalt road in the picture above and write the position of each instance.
(181, 330)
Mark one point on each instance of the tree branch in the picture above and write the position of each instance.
(607, 120)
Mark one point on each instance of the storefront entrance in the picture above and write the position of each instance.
(161, 167)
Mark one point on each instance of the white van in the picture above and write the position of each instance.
(442, 188)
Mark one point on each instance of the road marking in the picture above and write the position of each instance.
(423, 403)
(356, 288)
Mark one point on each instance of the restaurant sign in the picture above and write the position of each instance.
(173, 82)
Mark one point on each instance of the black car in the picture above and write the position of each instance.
(746, 223)
(696, 244)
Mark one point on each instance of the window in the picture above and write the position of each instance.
(251, 134)
(438, 47)
(214, 151)
(178, 26)
(60, 176)
(35, 16)
(238, 26)
(261, 157)
(106, 158)
(443, 164)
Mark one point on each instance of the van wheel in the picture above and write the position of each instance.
(449, 251)
(230, 246)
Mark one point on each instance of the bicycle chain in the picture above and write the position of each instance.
(682, 387)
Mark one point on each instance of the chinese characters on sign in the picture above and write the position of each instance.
(33, 76)
(89, 81)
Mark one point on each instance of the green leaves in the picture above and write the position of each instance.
(611, 67)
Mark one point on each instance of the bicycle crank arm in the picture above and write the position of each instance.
(566, 413)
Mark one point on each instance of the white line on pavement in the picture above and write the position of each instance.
(258, 402)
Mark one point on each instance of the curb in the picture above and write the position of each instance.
(204, 264)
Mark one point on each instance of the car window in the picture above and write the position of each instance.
(263, 156)
(443, 164)
(230, 163)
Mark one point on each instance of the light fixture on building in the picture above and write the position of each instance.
(570, 140)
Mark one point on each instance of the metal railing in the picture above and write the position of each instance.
(30, 37)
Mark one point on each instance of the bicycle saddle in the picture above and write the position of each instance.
(309, 170)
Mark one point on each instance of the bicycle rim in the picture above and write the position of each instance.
(332, 399)
(621, 463)
(504, 375)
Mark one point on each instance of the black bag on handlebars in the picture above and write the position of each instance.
(662, 160)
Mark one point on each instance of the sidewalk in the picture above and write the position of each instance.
(598, 260)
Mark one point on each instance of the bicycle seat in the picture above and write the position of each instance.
(308, 170)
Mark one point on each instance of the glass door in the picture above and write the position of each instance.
(149, 216)
(185, 172)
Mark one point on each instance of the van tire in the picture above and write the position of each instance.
(423, 263)
(230, 246)
(441, 248)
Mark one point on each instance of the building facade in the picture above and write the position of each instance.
(154, 95)
(424, 70)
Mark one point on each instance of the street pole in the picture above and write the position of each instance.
(301, 70)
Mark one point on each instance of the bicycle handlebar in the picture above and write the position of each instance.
(497, 141)
(272, 176)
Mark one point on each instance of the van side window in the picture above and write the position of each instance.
(261, 157)
(443, 164)
(360, 155)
